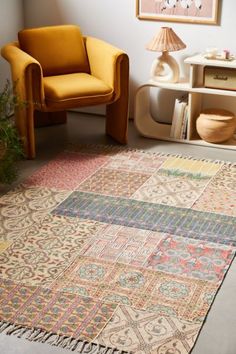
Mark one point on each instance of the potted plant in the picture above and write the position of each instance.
(11, 148)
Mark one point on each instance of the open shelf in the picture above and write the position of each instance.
(179, 86)
(200, 60)
(195, 89)
(212, 91)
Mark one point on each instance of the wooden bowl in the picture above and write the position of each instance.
(216, 125)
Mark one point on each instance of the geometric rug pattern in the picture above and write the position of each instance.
(112, 250)
(149, 216)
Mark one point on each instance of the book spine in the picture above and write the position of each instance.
(180, 119)
(175, 117)
(183, 134)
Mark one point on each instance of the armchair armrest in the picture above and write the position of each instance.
(107, 63)
(27, 73)
(25, 68)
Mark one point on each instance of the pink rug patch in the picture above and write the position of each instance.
(67, 171)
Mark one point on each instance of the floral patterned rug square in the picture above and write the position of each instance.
(106, 249)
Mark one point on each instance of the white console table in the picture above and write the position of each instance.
(195, 89)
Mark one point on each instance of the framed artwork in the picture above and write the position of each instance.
(193, 11)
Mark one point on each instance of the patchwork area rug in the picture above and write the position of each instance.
(112, 250)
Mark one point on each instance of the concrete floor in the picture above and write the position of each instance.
(218, 335)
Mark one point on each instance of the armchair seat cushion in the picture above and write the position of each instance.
(78, 89)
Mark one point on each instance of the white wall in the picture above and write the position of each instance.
(115, 22)
(11, 21)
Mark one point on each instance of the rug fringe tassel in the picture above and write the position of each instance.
(15, 329)
(47, 337)
(42, 336)
(33, 334)
(74, 345)
(118, 148)
(4, 326)
(55, 341)
(66, 342)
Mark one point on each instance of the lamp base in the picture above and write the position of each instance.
(165, 69)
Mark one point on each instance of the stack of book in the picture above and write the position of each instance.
(180, 119)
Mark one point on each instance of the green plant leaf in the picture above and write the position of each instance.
(10, 143)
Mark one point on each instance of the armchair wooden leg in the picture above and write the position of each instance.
(117, 112)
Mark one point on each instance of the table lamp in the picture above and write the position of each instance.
(165, 68)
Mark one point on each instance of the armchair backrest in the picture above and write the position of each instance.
(59, 49)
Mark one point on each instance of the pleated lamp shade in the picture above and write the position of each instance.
(166, 40)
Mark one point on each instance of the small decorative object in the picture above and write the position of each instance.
(211, 53)
(10, 145)
(216, 125)
(225, 54)
(165, 68)
(193, 11)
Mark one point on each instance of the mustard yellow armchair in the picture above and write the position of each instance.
(57, 69)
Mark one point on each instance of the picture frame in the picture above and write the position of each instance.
(190, 11)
